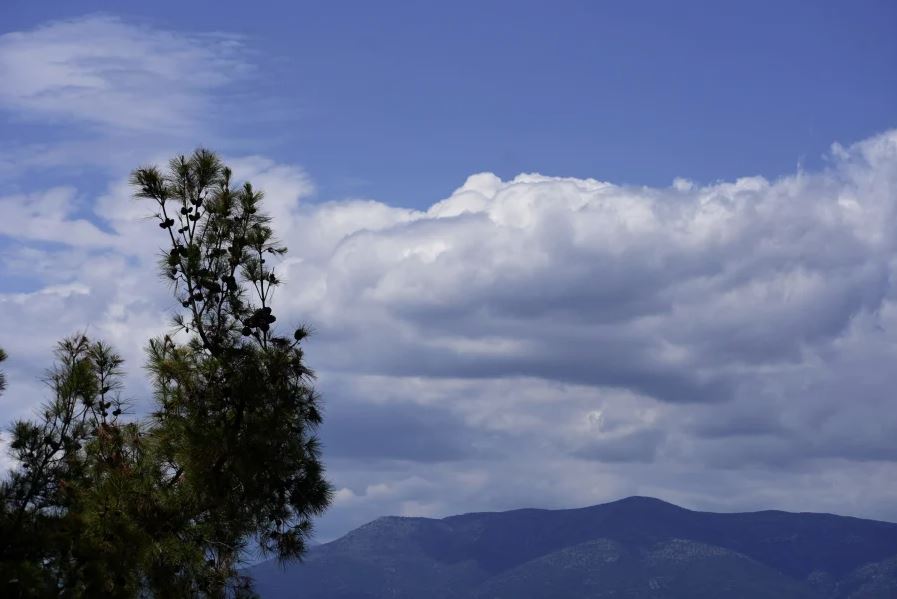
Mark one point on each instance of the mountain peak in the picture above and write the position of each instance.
(642, 500)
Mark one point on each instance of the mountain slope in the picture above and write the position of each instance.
(675, 568)
(635, 547)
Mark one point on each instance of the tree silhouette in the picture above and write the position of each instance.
(2, 374)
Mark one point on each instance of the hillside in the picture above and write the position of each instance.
(636, 547)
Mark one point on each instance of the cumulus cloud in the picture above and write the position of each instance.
(748, 325)
(679, 294)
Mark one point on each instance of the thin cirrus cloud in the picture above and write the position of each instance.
(115, 92)
(538, 341)
(106, 72)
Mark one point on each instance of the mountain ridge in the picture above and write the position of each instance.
(633, 547)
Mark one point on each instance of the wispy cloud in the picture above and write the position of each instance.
(105, 72)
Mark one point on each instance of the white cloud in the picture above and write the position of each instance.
(103, 71)
(50, 216)
(679, 294)
(750, 327)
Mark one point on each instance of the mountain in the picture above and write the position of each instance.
(633, 548)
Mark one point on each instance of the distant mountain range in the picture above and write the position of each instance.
(633, 548)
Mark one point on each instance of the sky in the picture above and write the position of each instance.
(555, 254)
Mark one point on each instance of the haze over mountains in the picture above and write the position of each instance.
(633, 548)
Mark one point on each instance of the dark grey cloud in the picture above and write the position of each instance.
(637, 446)
(361, 430)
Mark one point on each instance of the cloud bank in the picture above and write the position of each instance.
(577, 333)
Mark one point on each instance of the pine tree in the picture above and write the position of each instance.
(236, 411)
(2, 374)
(166, 505)
(67, 515)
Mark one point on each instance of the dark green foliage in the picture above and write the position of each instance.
(166, 506)
(2, 375)
(68, 510)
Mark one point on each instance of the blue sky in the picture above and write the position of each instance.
(401, 101)
(556, 253)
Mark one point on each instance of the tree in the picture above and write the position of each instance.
(69, 520)
(228, 457)
(2, 375)
(236, 395)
